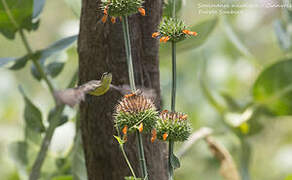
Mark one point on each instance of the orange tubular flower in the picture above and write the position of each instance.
(125, 130)
(154, 35)
(113, 20)
(190, 32)
(154, 135)
(141, 127)
(166, 39)
(184, 117)
(142, 11)
(104, 18)
(165, 135)
(105, 10)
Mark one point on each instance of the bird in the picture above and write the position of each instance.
(73, 96)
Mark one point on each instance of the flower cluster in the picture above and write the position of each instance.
(173, 126)
(119, 8)
(172, 29)
(135, 111)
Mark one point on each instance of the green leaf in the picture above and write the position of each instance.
(21, 11)
(289, 177)
(204, 29)
(32, 136)
(38, 6)
(20, 62)
(120, 141)
(63, 119)
(273, 88)
(167, 9)
(32, 115)
(55, 68)
(282, 35)
(174, 161)
(35, 73)
(65, 177)
(18, 152)
(57, 47)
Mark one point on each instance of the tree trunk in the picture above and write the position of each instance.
(101, 49)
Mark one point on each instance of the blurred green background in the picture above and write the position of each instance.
(232, 65)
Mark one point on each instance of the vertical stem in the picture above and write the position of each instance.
(173, 90)
(173, 95)
(173, 8)
(142, 157)
(133, 88)
(128, 52)
(170, 152)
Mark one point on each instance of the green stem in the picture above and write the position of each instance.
(142, 157)
(133, 88)
(36, 168)
(36, 63)
(128, 162)
(170, 153)
(173, 90)
(173, 95)
(173, 8)
(128, 52)
(37, 165)
(245, 159)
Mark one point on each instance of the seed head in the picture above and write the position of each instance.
(173, 30)
(173, 126)
(117, 8)
(135, 111)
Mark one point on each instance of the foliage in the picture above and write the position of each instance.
(269, 95)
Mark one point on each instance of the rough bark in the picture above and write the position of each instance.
(101, 49)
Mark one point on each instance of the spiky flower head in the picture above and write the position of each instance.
(172, 29)
(173, 126)
(135, 111)
(119, 8)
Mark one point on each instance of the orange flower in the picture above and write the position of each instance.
(154, 135)
(105, 10)
(165, 135)
(184, 117)
(190, 32)
(130, 95)
(125, 130)
(113, 20)
(142, 11)
(164, 111)
(164, 39)
(104, 18)
(141, 127)
(154, 35)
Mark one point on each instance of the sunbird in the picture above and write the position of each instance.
(73, 96)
